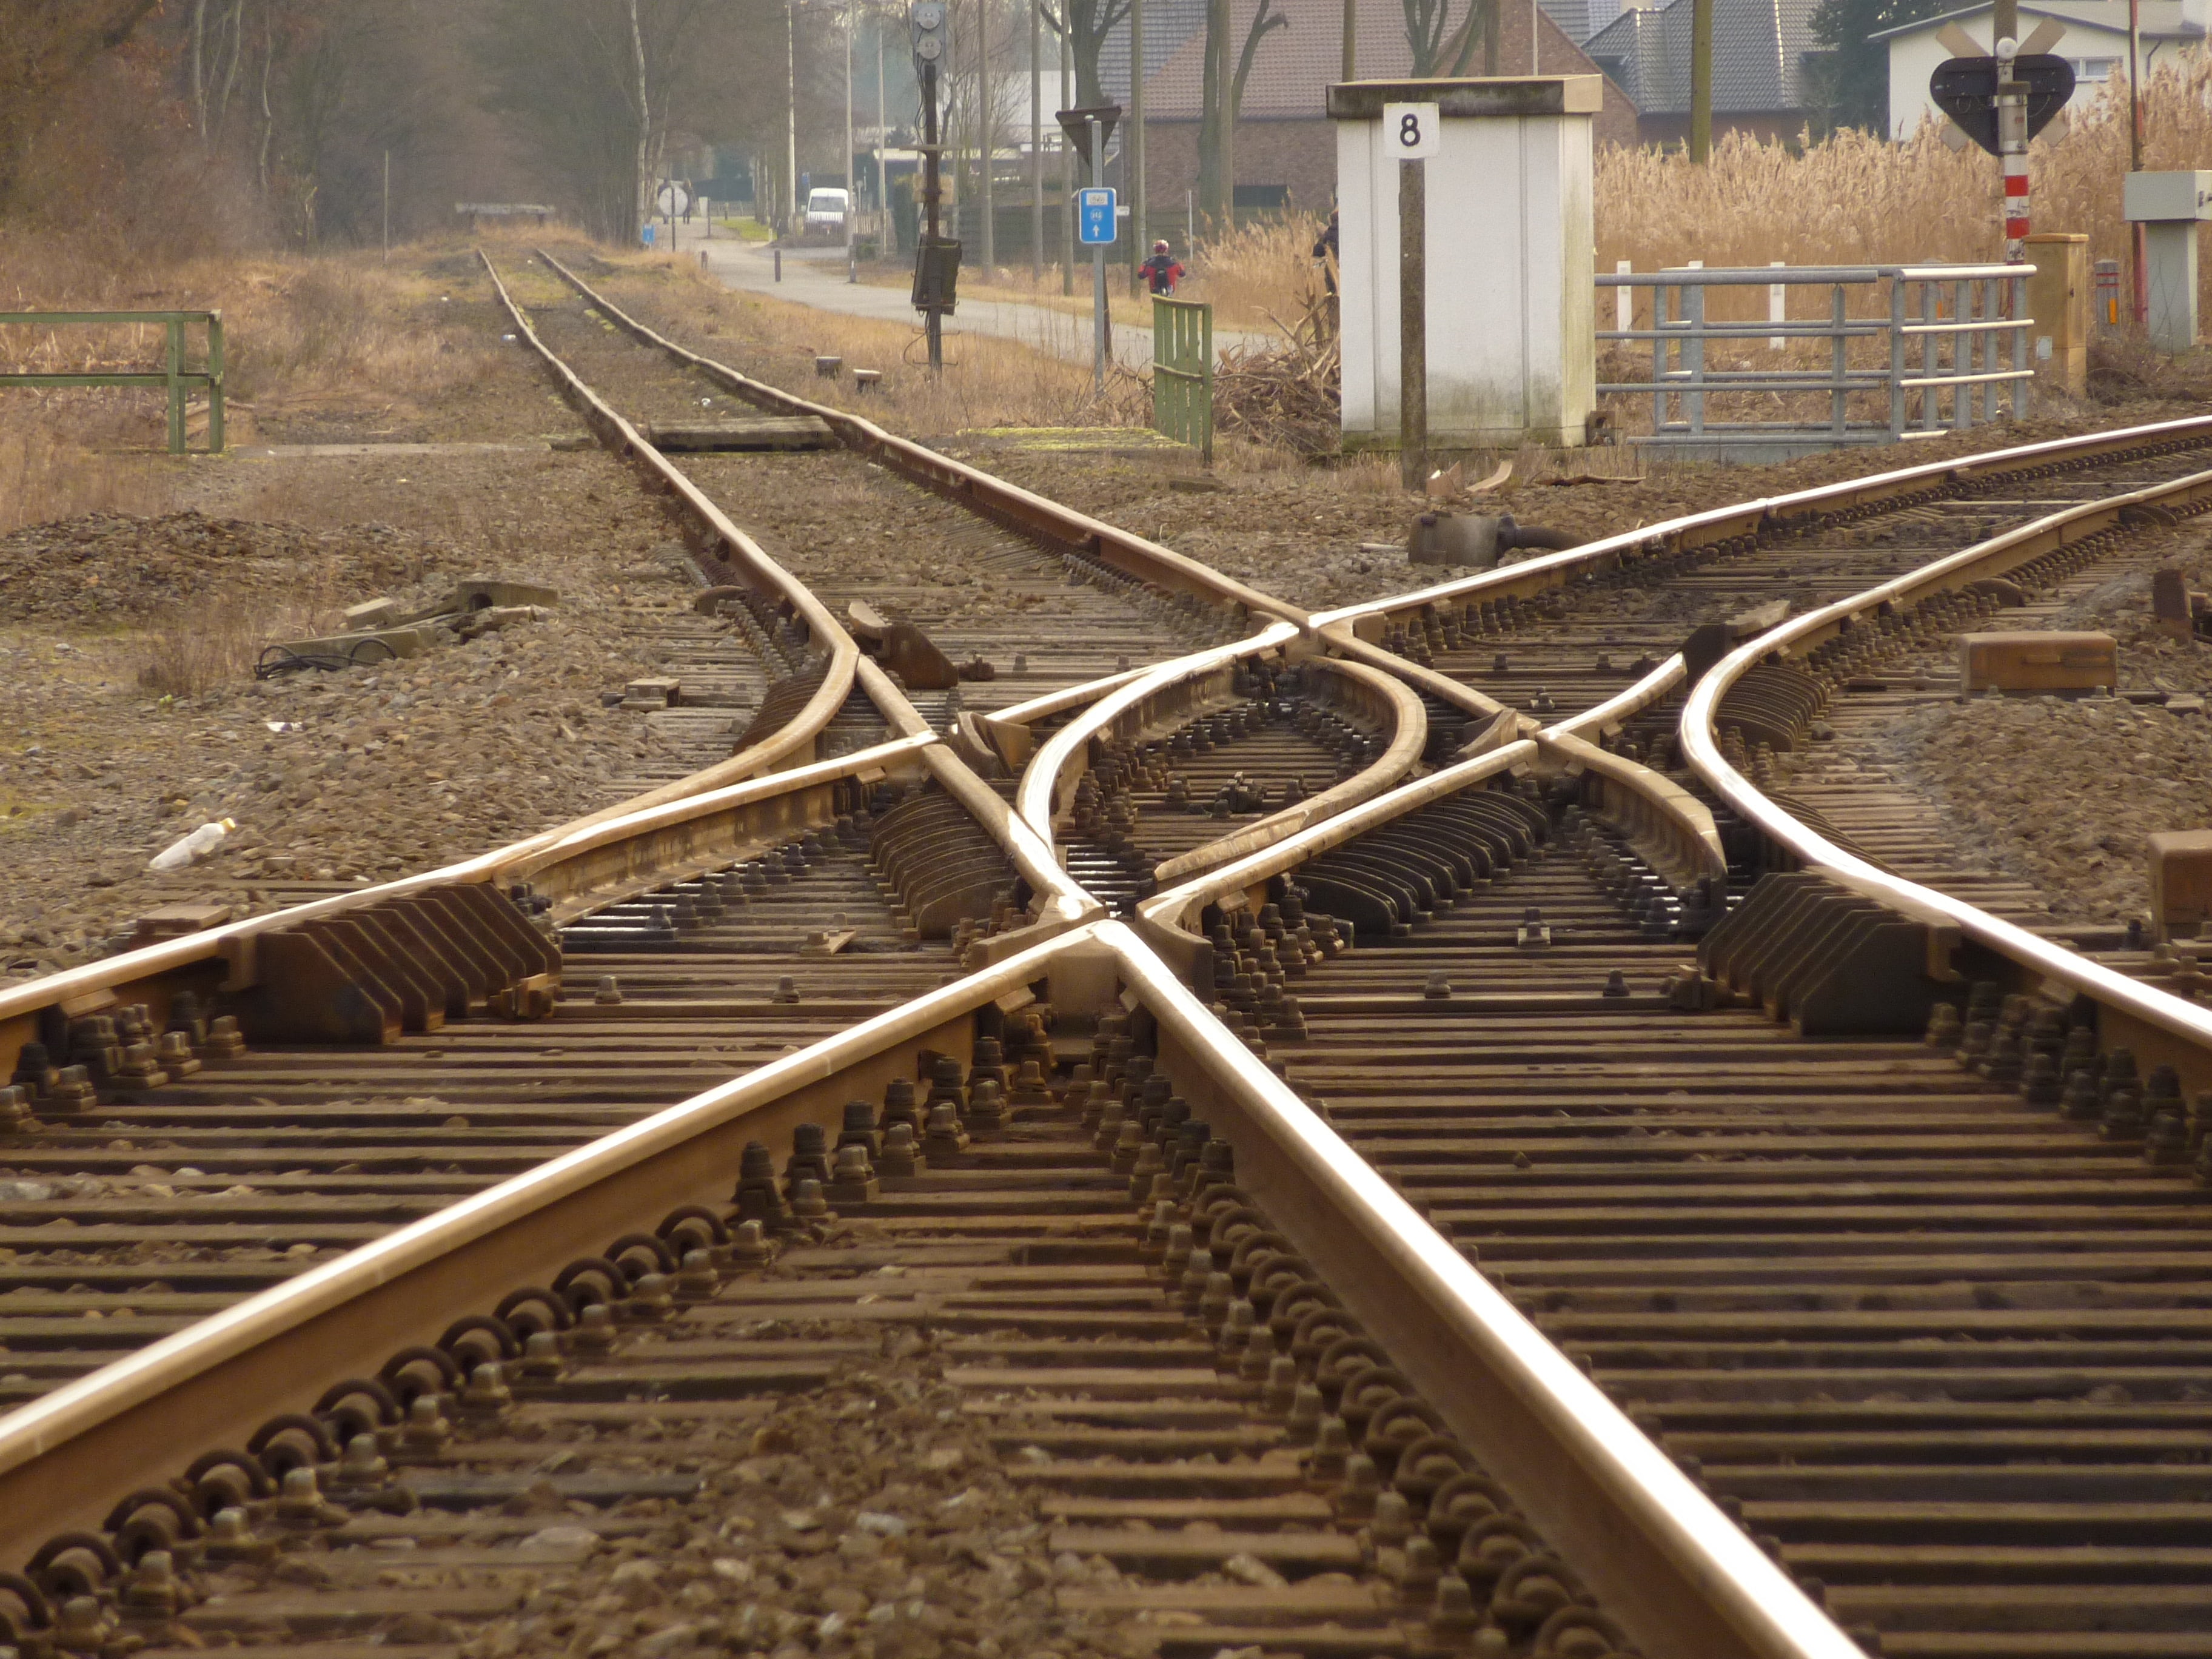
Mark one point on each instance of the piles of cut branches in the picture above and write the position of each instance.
(1285, 392)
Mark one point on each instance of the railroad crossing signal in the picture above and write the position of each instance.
(1965, 89)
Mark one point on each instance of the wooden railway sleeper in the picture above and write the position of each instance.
(1469, 1574)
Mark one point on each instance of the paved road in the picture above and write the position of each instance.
(816, 277)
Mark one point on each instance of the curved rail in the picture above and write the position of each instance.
(1718, 527)
(2156, 1011)
(1051, 773)
(1408, 721)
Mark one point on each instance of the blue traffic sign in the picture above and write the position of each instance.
(1094, 216)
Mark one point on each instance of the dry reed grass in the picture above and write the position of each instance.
(1856, 198)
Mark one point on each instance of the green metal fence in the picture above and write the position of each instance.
(1182, 373)
(173, 374)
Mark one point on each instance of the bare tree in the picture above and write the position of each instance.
(1440, 49)
(1221, 98)
(1085, 25)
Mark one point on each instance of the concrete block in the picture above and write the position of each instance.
(2037, 661)
(2180, 881)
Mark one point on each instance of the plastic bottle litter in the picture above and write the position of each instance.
(191, 848)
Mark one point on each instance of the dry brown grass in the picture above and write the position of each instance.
(47, 470)
(295, 327)
(217, 641)
(988, 382)
(1261, 275)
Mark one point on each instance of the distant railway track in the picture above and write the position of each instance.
(1131, 1244)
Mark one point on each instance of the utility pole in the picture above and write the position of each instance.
(790, 117)
(1066, 162)
(387, 207)
(987, 137)
(1036, 144)
(852, 173)
(1133, 148)
(1701, 81)
(1351, 39)
(886, 239)
(2141, 294)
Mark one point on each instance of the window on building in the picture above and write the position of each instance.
(2094, 69)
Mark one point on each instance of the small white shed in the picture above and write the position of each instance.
(1511, 346)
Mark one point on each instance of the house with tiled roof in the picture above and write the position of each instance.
(1759, 48)
(1286, 144)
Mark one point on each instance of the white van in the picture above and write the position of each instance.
(826, 208)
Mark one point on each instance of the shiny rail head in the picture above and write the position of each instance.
(2131, 1000)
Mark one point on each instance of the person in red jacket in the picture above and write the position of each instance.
(1161, 272)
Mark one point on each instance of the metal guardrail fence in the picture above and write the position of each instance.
(1182, 373)
(1888, 372)
(173, 375)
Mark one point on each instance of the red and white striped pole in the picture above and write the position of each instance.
(2012, 147)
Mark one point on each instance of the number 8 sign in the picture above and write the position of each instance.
(1411, 132)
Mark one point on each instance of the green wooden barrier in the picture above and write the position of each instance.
(173, 375)
(1182, 373)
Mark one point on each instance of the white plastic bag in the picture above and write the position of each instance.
(190, 850)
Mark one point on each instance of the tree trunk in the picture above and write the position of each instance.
(1216, 165)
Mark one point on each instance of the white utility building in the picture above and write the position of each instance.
(1512, 341)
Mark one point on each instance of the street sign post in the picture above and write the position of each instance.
(1087, 130)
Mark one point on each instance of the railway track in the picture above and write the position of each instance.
(1330, 1435)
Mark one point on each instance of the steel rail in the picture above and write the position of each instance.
(2182, 1024)
(1069, 904)
(1661, 1557)
(1064, 904)
(1701, 528)
(1409, 740)
(1164, 919)
(980, 491)
(132, 974)
(1051, 770)
(725, 539)
(1477, 705)
(1606, 719)
(66, 1457)
(1679, 1575)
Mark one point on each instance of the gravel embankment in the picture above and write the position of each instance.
(2064, 792)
